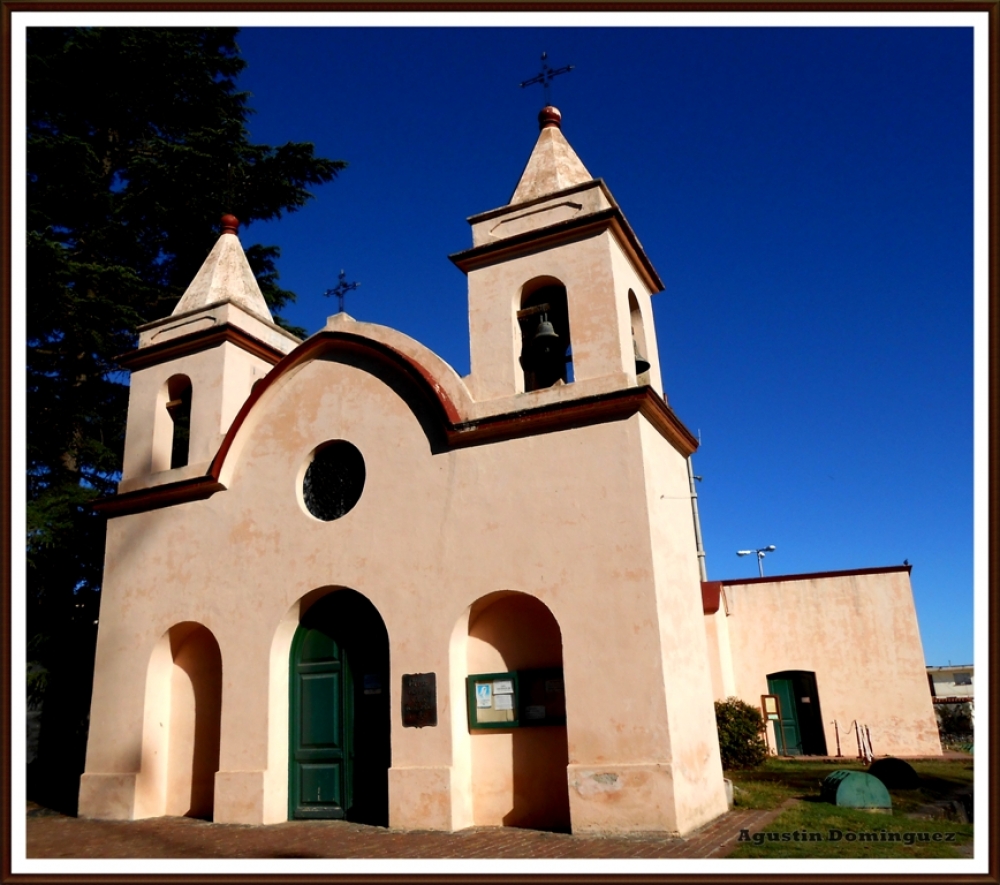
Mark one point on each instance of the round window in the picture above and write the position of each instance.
(334, 480)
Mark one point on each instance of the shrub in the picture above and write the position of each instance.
(954, 721)
(741, 727)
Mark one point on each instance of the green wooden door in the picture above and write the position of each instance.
(788, 734)
(321, 696)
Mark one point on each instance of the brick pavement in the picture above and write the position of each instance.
(52, 835)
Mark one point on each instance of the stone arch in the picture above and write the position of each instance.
(517, 776)
(181, 724)
(542, 370)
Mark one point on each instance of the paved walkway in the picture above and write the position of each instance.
(52, 835)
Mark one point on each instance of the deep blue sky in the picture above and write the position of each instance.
(806, 195)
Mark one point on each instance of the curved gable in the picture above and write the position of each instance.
(414, 382)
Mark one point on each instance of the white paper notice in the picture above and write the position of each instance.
(504, 702)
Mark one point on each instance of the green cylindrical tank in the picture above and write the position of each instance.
(855, 789)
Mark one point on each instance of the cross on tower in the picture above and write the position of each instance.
(545, 77)
(340, 290)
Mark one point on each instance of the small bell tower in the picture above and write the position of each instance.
(194, 369)
(559, 285)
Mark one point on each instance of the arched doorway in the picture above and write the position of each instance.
(339, 751)
(801, 727)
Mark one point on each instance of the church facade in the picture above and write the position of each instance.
(343, 581)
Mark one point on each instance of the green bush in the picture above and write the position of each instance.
(741, 727)
(954, 721)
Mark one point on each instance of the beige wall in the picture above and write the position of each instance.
(561, 516)
(858, 633)
(221, 379)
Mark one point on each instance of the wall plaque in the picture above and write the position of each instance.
(419, 700)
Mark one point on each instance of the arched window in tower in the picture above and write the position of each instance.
(179, 410)
(546, 353)
(639, 344)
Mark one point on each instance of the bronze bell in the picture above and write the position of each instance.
(546, 340)
(641, 363)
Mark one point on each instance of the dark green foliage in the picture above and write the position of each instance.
(954, 720)
(741, 727)
(136, 145)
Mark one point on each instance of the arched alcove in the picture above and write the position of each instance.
(518, 775)
(182, 716)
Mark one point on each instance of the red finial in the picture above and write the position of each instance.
(549, 116)
(230, 224)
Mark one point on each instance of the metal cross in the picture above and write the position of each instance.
(340, 290)
(545, 77)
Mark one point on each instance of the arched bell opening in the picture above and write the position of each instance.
(172, 424)
(518, 774)
(640, 346)
(339, 749)
(546, 348)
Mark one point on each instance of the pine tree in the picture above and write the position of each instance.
(136, 144)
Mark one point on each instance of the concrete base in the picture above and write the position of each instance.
(107, 796)
(621, 798)
(239, 797)
(420, 798)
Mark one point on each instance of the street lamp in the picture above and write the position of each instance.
(761, 553)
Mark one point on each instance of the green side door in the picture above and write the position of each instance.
(788, 735)
(321, 752)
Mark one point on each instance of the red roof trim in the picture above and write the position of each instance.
(711, 595)
(196, 489)
(808, 576)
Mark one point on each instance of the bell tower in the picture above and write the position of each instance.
(194, 369)
(559, 285)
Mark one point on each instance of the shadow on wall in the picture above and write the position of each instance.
(541, 797)
(519, 775)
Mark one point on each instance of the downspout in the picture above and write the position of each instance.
(697, 523)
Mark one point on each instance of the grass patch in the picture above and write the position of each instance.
(861, 833)
(780, 779)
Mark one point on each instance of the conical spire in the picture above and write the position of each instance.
(225, 276)
(553, 164)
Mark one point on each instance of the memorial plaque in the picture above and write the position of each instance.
(419, 700)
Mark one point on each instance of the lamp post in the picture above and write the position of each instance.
(761, 553)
